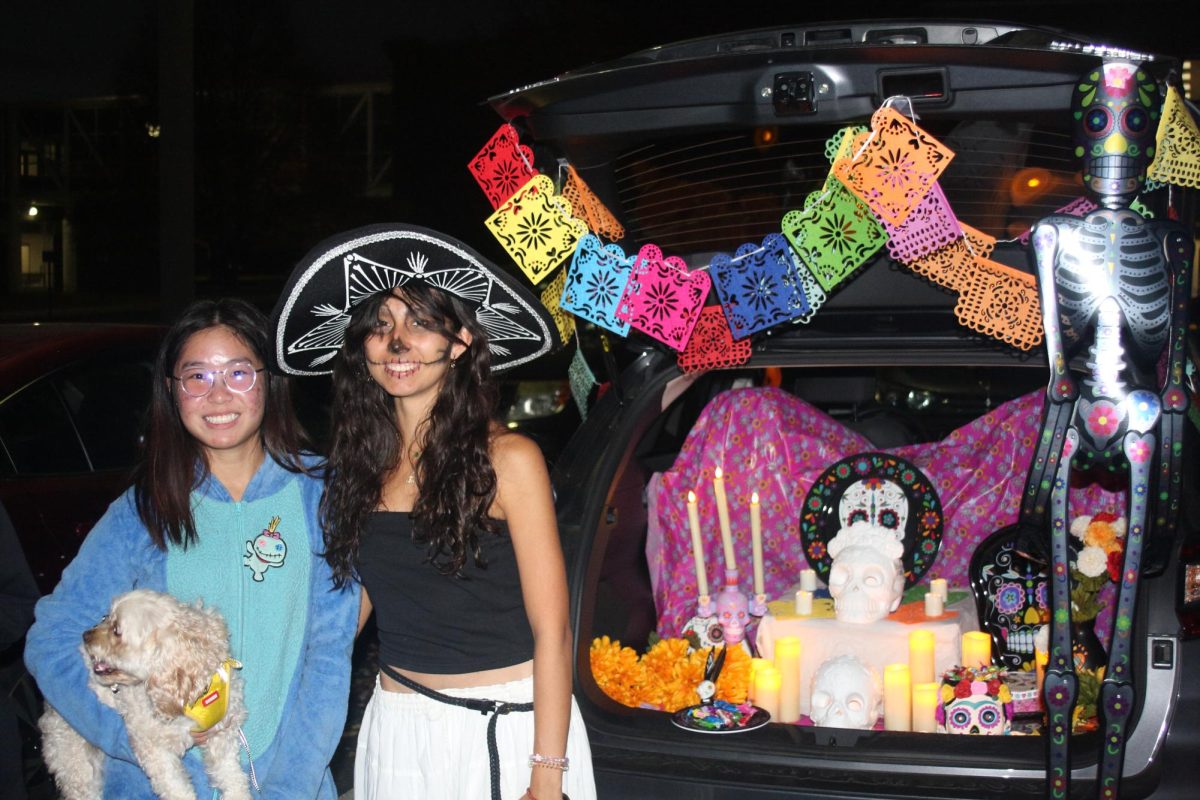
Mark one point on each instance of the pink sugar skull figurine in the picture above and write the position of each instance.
(733, 613)
(975, 702)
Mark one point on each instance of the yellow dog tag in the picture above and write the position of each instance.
(209, 708)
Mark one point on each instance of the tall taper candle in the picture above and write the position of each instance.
(756, 542)
(697, 545)
(723, 516)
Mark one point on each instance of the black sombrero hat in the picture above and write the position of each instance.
(309, 321)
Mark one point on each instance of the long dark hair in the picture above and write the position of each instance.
(454, 470)
(173, 462)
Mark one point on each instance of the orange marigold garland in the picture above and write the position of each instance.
(667, 675)
(617, 671)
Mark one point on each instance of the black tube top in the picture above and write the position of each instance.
(435, 623)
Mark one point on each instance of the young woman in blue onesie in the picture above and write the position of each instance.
(221, 461)
(444, 515)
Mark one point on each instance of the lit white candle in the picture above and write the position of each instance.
(924, 706)
(767, 683)
(787, 661)
(723, 516)
(976, 649)
(938, 586)
(804, 603)
(897, 698)
(808, 580)
(697, 546)
(756, 542)
(934, 605)
(920, 656)
(757, 665)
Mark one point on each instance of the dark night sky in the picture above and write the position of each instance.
(54, 49)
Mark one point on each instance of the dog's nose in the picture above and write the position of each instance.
(88, 635)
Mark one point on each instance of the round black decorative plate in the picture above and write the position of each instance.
(820, 521)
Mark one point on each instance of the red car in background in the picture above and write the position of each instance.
(72, 396)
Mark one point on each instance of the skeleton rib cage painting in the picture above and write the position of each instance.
(1114, 290)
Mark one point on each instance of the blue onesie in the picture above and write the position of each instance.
(259, 562)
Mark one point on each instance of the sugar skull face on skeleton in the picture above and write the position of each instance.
(866, 578)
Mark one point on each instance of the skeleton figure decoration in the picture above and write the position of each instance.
(845, 694)
(1114, 292)
(866, 577)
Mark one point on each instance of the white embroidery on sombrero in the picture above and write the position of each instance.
(364, 277)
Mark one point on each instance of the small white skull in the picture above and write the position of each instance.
(845, 694)
(866, 578)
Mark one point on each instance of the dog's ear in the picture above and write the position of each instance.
(190, 646)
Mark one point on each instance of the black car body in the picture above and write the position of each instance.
(735, 126)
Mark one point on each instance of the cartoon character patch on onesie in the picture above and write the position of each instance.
(266, 551)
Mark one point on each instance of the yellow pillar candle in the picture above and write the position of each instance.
(939, 587)
(757, 665)
(924, 706)
(767, 684)
(920, 656)
(697, 545)
(756, 542)
(723, 516)
(976, 649)
(787, 661)
(897, 698)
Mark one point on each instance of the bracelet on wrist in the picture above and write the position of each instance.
(552, 762)
(529, 793)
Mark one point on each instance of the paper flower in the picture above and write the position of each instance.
(1097, 561)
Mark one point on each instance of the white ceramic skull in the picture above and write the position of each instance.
(866, 578)
(845, 694)
(874, 501)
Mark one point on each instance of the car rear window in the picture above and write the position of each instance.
(710, 192)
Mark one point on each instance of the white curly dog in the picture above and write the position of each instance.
(151, 658)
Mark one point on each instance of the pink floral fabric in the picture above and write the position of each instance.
(768, 441)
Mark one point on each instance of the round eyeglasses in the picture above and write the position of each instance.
(199, 382)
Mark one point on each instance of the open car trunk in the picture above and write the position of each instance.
(705, 145)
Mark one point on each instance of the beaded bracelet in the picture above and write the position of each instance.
(553, 762)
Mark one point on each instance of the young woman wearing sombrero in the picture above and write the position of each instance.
(443, 515)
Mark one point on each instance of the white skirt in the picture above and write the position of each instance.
(412, 747)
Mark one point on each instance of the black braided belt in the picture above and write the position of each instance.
(493, 707)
